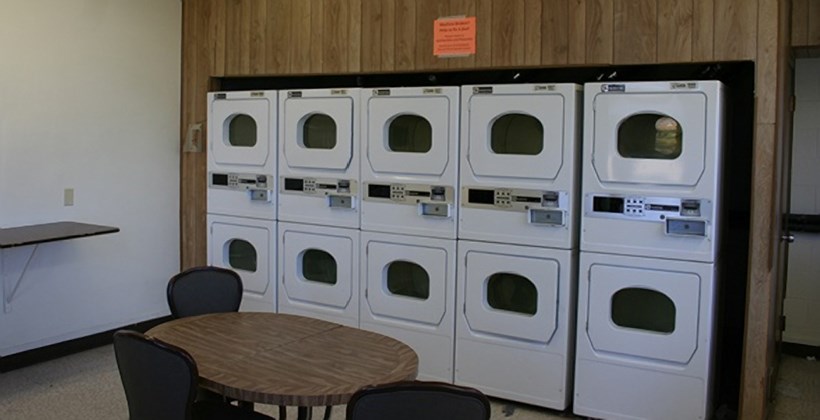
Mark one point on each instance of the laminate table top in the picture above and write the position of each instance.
(287, 360)
(50, 232)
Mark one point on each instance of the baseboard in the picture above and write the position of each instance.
(800, 350)
(42, 354)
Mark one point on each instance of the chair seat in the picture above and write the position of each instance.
(213, 410)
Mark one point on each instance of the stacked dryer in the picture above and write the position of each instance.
(242, 191)
(518, 224)
(409, 177)
(649, 241)
(319, 204)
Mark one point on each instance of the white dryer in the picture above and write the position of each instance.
(408, 293)
(247, 246)
(410, 160)
(645, 339)
(515, 324)
(242, 154)
(319, 157)
(319, 272)
(519, 176)
(652, 165)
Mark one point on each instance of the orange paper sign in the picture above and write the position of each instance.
(454, 36)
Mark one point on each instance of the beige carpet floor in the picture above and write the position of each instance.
(86, 385)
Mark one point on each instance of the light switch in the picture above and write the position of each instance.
(68, 197)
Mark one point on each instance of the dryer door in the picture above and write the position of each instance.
(240, 132)
(318, 268)
(511, 296)
(650, 138)
(651, 313)
(407, 282)
(246, 249)
(516, 136)
(409, 134)
(318, 132)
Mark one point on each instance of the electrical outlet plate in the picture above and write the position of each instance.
(68, 197)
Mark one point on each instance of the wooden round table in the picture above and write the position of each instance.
(287, 360)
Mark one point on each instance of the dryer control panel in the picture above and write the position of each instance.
(259, 185)
(340, 193)
(681, 216)
(432, 200)
(547, 208)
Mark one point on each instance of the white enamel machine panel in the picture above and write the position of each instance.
(515, 324)
(319, 272)
(248, 247)
(242, 159)
(652, 168)
(410, 160)
(408, 292)
(648, 323)
(319, 157)
(519, 174)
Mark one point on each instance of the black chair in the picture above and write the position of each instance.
(160, 382)
(418, 401)
(204, 290)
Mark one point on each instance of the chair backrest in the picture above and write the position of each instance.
(159, 379)
(418, 401)
(204, 290)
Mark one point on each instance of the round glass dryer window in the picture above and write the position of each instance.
(318, 266)
(241, 131)
(650, 136)
(410, 134)
(643, 309)
(242, 255)
(513, 293)
(517, 134)
(318, 132)
(408, 279)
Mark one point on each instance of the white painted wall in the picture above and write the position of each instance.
(89, 100)
(802, 304)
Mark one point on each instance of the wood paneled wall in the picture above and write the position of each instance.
(805, 23)
(276, 37)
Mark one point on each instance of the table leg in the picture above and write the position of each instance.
(283, 412)
(328, 412)
(305, 413)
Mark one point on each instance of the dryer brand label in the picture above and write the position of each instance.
(381, 92)
(257, 94)
(295, 94)
(687, 85)
(431, 91)
(482, 90)
(338, 92)
(541, 88)
(613, 88)
(221, 96)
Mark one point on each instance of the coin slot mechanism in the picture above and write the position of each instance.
(546, 217)
(435, 209)
(685, 227)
